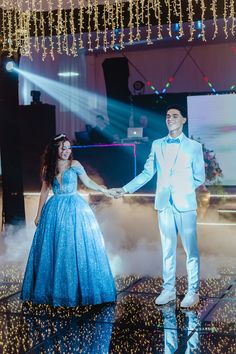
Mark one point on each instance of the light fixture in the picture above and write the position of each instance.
(176, 27)
(198, 25)
(117, 47)
(138, 87)
(69, 74)
(10, 65)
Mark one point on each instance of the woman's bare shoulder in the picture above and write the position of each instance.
(76, 163)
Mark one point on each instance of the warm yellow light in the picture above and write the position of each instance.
(19, 19)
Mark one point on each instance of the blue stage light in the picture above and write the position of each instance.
(198, 24)
(176, 27)
(10, 65)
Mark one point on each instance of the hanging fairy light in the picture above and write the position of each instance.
(213, 8)
(225, 18)
(190, 19)
(81, 22)
(100, 24)
(51, 23)
(232, 16)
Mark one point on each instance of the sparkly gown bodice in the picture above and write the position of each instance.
(68, 183)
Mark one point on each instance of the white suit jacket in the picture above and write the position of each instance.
(188, 173)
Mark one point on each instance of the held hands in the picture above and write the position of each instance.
(106, 191)
(112, 192)
(116, 192)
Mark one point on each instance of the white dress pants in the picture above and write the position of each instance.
(171, 223)
(191, 321)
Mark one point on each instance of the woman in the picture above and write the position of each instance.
(67, 265)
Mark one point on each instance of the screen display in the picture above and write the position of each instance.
(212, 119)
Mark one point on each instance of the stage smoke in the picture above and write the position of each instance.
(133, 242)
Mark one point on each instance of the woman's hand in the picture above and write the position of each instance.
(36, 221)
(116, 192)
(106, 192)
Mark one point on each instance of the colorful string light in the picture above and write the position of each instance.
(152, 87)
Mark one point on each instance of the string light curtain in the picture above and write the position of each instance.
(25, 25)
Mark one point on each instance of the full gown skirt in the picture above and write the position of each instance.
(67, 264)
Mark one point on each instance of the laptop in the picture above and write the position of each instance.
(134, 133)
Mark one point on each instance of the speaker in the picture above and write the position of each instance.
(13, 200)
(37, 126)
(116, 75)
(12, 186)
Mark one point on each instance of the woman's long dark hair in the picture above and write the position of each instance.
(49, 167)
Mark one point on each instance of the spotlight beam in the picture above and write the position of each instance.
(76, 100)
(81, 102)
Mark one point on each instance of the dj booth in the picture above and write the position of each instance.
(114, 164)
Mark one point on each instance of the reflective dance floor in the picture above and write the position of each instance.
(134, 324)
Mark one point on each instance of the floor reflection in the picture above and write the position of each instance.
(133, 325)
(171, 335)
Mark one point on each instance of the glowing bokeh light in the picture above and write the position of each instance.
(10, 66)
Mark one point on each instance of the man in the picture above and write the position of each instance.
(179, 164)
(143, 122)
(100, 133)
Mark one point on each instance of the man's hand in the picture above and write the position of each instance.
(117, 192)
(106, 191)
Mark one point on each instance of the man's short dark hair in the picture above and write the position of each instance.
(181, 109)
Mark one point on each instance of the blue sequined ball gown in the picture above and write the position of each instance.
(67, 264)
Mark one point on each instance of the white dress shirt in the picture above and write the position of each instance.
(171, 152)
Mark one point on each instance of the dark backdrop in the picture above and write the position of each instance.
(114, 165)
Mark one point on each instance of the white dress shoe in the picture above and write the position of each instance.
(165, 297)
(190, 299)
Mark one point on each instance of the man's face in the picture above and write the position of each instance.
(143, 121)
(174, 120)
(100, 122)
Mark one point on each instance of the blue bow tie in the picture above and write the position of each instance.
(173, 141)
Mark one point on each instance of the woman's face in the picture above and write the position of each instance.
(64, 150)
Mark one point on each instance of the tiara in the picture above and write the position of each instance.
(59, 136)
